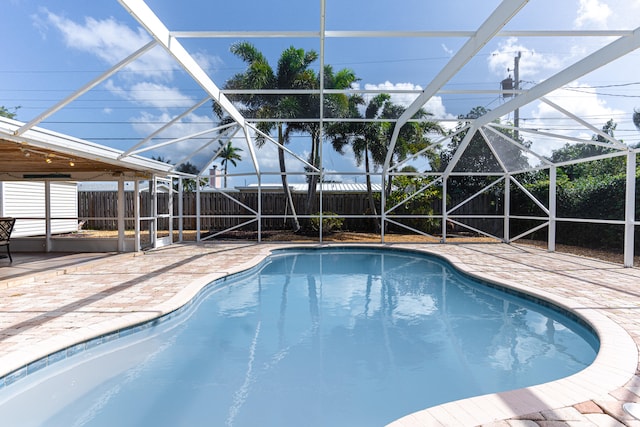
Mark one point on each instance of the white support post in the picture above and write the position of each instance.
(551, 243)
(136, 214)
(197, 212)
(383, 205)
(153, 228)
(259, 216)
(507, 208)
(180, 210)
(47, 216)
(121, 204)
(630, 209)
(444, 209)
(170, 207)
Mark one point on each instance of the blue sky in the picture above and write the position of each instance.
(50, 49)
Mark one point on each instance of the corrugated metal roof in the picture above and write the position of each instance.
(327, 187)
(338, 187)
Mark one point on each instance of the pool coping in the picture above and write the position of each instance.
(614, 366)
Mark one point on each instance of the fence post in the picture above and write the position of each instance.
(180, 209)
(630, 209)
(47, 215)
(121, 214)
(136, 214)
(507, 208)
(444, 210)
(551, 240)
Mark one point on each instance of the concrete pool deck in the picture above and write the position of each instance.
(46, 306)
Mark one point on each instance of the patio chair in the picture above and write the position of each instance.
(6, 227)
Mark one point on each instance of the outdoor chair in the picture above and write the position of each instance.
(6, 227)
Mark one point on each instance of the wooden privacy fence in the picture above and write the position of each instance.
(219, 211)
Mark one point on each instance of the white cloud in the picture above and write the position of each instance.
(593, 14)
(532, 65)
(146, 123)
(434, 105)
(150, 94)
(404, 99)
(158, 95)
(582, 101)
(111, 42)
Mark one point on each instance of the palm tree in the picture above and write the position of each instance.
(335, 105)
(414, 136)
(228, 153)
(366, 140)
(190, 184)
(292, 73)
(369, 140)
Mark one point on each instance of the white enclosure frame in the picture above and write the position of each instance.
(624, 42)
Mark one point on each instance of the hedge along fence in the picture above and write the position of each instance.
(602, 199)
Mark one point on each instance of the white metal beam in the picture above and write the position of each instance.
(603, 56)
(84, 89)
(224, 139)
(493, 151)
(164, 127)
(564, 138)
(519, 145)
(630, 210)
(500, 16)
(461, 147)
(183, 138)
(392, 34)
(589, 126)
(148, 19)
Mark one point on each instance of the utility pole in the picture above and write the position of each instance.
(516, 86)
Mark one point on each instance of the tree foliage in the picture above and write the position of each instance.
(228, 154)
(5, 112)
(479, 157)
(292, 72)
(596, 168)
(414, 196)
(591, 190)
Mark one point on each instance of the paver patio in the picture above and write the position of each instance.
(48, 309)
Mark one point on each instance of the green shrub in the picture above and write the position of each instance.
(330, 222)
(418, 204)
(599, 197)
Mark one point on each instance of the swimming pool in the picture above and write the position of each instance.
(330, 337)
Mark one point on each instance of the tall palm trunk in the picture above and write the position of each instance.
(285, 185)
(372, 203)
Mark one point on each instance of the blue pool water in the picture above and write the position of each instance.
(331, 337)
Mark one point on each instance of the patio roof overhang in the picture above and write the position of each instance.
(40, 154)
